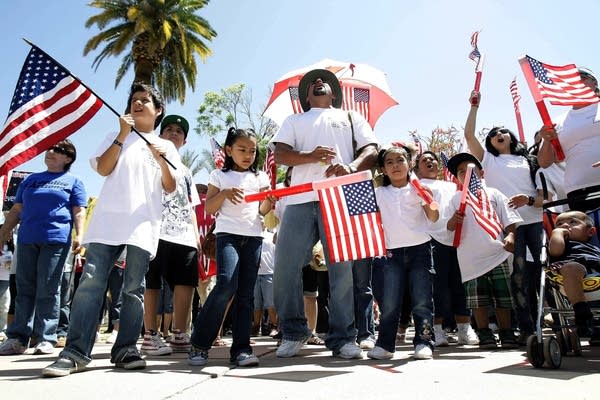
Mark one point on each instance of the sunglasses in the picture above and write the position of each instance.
(496, 132)
(60, 150)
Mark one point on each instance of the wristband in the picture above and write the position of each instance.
(117, 143)
(530, 201)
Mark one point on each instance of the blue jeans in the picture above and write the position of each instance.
(65, 303)
(413, 265)
(238, 259)
(87, 302)
(449, 296)
(38, 291)
(527, 236)
(301, 228)
(363, 298)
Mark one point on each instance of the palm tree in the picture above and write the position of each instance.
(160, 39)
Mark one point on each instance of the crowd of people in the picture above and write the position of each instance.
(463, 261)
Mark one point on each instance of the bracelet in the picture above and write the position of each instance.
(530, 201)
(117, 143)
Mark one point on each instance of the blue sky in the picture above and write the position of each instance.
(421, 45)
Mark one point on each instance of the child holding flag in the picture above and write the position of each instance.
(483, 249)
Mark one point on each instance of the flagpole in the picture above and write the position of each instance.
(478, 73)
(463, 204)
(95, 94)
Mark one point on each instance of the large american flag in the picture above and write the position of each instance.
(48, 105)
(352, 221)
(483, 211)
(356, 99)
(270, 167)
(217, 153)
(561, 85)
(475, 55)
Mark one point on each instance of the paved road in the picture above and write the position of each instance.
(454, 373)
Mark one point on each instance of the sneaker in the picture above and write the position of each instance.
(197, 356)
(61, 342)
(379, 353)
(367, 344)
(289, 348)
(180, 342)
(441, 337)
(62, 367)
(487, 340)
(43, 348)
(423, 352)
(153, 345)
(11, 347)
(508, 339)
(466, 335)
(113, 337)
(274, 331)
(131, 360)
(245, 360)
(348, 351)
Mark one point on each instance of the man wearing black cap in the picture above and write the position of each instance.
(177, 255)
(322, 142)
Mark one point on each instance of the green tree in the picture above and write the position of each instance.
(192, 160)
(232, 106)
(160, 39)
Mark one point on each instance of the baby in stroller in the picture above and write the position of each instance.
(575, 258)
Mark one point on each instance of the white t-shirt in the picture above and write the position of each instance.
(177, 225)
(267, 255)
(443, 192)
(509, 174)
(242, 218)
(478, 253)
(404, 221)
(322, 127)
(579, 135)
(129, 206)
(555, 178)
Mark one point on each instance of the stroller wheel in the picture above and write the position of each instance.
(565, 344)
(575, 343)
(552, 352)
(535, 352)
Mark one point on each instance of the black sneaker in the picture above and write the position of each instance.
(487, 340)
(508, 339)
(62, 367)
(131, 360)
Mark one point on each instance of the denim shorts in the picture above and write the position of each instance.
(491, 288)
(263, 292)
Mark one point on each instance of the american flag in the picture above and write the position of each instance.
(514, 91)
(561, 85)
(295, 98)
(206, 266)
(271, 168)
(356, 99)
(47, 106)
(483, 211)
(352, 221)
(217, 153)
(475, 55)
(447, 174)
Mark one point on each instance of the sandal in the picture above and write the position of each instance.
(314, 339)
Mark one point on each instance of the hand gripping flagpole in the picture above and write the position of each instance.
(423, 194)
(100, 98)
(541, 106)
(463, 203)
(308, 187)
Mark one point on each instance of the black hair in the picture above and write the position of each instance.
(67, 148)
(157, 99)
(232, 136)
(516, 148)
(435, 156)
(405, 151)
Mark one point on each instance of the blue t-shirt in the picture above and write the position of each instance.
(48, 199)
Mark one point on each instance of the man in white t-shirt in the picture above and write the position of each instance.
(127, 216)
(319, 143)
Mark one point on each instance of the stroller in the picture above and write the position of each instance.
(549, 349)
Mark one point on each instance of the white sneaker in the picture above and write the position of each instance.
(348, 351)
(12, 346)
(43, 348)
(153, 345)
(113, 337)
(466, 335)
(379, 353)
(441, 337)
(367, 344)
(289, 348)
(422, 352)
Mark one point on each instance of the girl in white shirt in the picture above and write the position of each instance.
(405, 222)
(239, 241)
